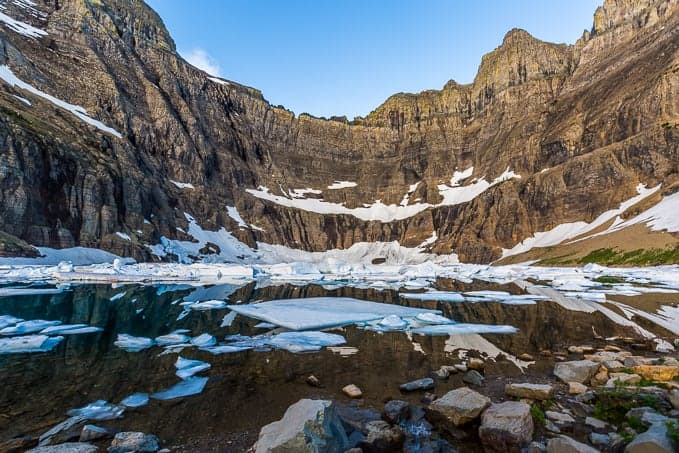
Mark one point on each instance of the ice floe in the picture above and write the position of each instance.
(70, 329)
(187, 368)
(98, 410)
(187, 387)
(133, 344)
(28, 344)
(463, 328)
(32, 326)
(135, 400)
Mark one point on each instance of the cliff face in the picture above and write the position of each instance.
(581, 125)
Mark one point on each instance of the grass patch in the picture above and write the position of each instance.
(538, 414)
(673, 430)
(639, 257)
(613, 405)
(609, 279)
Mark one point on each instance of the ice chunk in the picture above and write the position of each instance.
(133, 344)
(187, 368)
(136, 400)
(323, 312)
(191, 386)
(225, 349)
(228, 319)
(173, 338)
(29, 343)
(452, 329)
(99, 410)
(265, 325)
(24, 327)
(204, 340)
(209, 305)
(8, 292)
(305, 341)
(70, 329)
(393, 322)
(442, 296)
(7, 320)
(433, 318)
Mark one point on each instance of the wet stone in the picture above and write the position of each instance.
(473, 377)
(396, 411)
(93, 432)
(134, 442)
(418, 384)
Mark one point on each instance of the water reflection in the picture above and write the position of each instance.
(251, 388)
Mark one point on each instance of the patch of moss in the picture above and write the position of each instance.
(538, 414)
(609, 279)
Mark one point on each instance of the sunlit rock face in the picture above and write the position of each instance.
(156, 138)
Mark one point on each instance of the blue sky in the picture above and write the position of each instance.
(345, 57)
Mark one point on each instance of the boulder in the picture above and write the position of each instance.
(93, 432)
(559, 417)
(564, 444)
(661, 373)
(352, 391)
(595, 423)
(134, 442)
(458, 406)
(655, 440)
(473, 377)
(600, 378)
(575, 388)
(418, 384)
(623, 379)
(673, 398)
(68, 447)
(396, 411)
(441, 374)
(530, 391)
(382, 437)
(475, 364)
(307, 426)
(580, 371)
(506, 427)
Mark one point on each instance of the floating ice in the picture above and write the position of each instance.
(265, 325)
(9, 292)
(433, 318)
(99, 410)
(209, 305)
(187, 368)
(32, 326)
(136, 400)
(225, 349)
(7, 320)
(29, 343)
(173, 338)
(393, 322)
(191, 386)
(118, 296)
(442, 296)
(133, 344)
(305, 341)
(203, 340)
(228, 319)
(323, 312)
(451, 329)
(70, 329)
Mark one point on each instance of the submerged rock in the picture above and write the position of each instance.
(530, 391)
(68, 447)
(418, 384)
(134, 442)
(458, 407)
(506, 427)
(580, 371)
(307, 426)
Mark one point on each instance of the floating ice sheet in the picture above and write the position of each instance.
(174, 338)
(136, 400)
(99, 410)
(187, 368)
(433, 318)
(7, 320)
(133, 344)
(208, 305)
(451, 329)
(323, 312)
(191, 386)
(8, 292)
(24, 327)
(305, 341)
(442, 296)
(28, 343)
(203, 340)
(70, 329)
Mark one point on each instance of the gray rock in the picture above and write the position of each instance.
(580, 371)
(473, 377)
(352, 391)
(600, 440)
(396, 411)
(458, 407)
(673, 398)
(564, 444)
(655, 440)
(134, 442)
(559, 417)
(441, 374)
(307, 426)
(595, 423)
(647, 415)
(551, 426)
(68, 447)
(530, 391)
(418, 384)
(93, 432)
(506, 426)
(382, 437)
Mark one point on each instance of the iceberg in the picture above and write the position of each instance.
(187, 368)
(8, 292)
(29, 343)
(433, 318)
(452, 329)
(305, 341)
(209, 305)
(24, 327)
(99, 410)
(440, 296)
(191, 386)
(203, 340)
(136, 400)
(7, 320)
(225, 349)
(70, 329)
(133, 344)
(173, 338)
(323, 312)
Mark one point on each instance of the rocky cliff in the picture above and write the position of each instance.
(107, 137)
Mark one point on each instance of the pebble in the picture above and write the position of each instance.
(352, 391)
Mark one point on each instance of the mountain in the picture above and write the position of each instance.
(111, 140)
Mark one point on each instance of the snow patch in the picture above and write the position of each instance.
(182, 185)
(341, 185)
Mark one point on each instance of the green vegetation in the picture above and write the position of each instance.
(538, 414)
(613, 257)
(609, 279)
(673, 430)
(613, 405)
